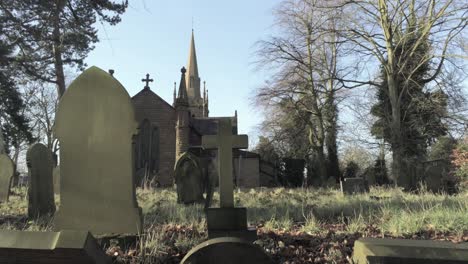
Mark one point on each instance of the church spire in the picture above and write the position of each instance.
(192, 79)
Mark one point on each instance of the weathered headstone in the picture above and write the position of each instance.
(406, 251)
(353, 185)
(56, 179)
(189, 179)
(226, 250)
(66, 246)
(7, 170)
(227, 220)
(41, 190)
(95, 123)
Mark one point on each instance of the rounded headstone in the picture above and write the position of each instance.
(189, 179)
(226, 250)
(7, 169)
(41, 188)
(95, 123)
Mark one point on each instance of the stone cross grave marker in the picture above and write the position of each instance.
(227, 221)
(225, 141)
(95, 123)
(6, 174)
(41, 190)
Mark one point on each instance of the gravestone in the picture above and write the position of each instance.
(406, 251)
(7, 170)
(95, 123)
(227, 220)
(226, 250)
(353, 185)
(41, 188)
(189, 179)
(66, 246)
(56, 179)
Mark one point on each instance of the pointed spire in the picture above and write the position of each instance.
(182, 97)
(204, 91)
(192, 65)
(175, 92)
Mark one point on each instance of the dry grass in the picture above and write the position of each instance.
(172, 229)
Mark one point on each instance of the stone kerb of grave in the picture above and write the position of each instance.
(226, 250)
(95, 123)
(380, 250)
(6, 175)
(66, 246)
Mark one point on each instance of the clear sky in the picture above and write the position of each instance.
(154, 38)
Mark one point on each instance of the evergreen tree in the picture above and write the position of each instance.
(422, 111)
(48, 35)
(14, 125)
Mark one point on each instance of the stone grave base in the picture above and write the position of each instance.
(402, 251)
(99, 219)
(226, 250)
(224, 222)
(66, 246)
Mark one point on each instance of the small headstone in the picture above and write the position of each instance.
(226, 250)
(353, 185)
(95, 123)
(406, 251)
(40, 191)
(6, 175)
(66, 246)
(189, 179)
(227, 220)
(56, 179)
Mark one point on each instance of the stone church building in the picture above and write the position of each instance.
(167, 130)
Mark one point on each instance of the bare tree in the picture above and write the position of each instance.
(391, 33)
(306, 58)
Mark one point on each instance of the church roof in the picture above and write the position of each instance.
(149, 93)
(209, 125)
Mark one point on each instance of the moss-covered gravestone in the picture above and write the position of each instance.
(95, 123)
(189, 179)
(6, 174)
(66, 246)
(226, 250)
(41, 190)
(227, 220)
(407, 251)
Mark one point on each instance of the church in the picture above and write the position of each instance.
(168, 130)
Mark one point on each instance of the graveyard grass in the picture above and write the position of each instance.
(300, 225)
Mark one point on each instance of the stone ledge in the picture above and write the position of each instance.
(66, 246)
(383, 251)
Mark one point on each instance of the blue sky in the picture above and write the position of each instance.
(154, 36)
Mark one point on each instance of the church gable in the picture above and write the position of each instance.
(162, 116)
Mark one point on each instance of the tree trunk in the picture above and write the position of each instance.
(57, 48)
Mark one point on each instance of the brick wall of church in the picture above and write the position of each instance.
(159, 113)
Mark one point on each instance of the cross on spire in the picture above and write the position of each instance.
(147, 80)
